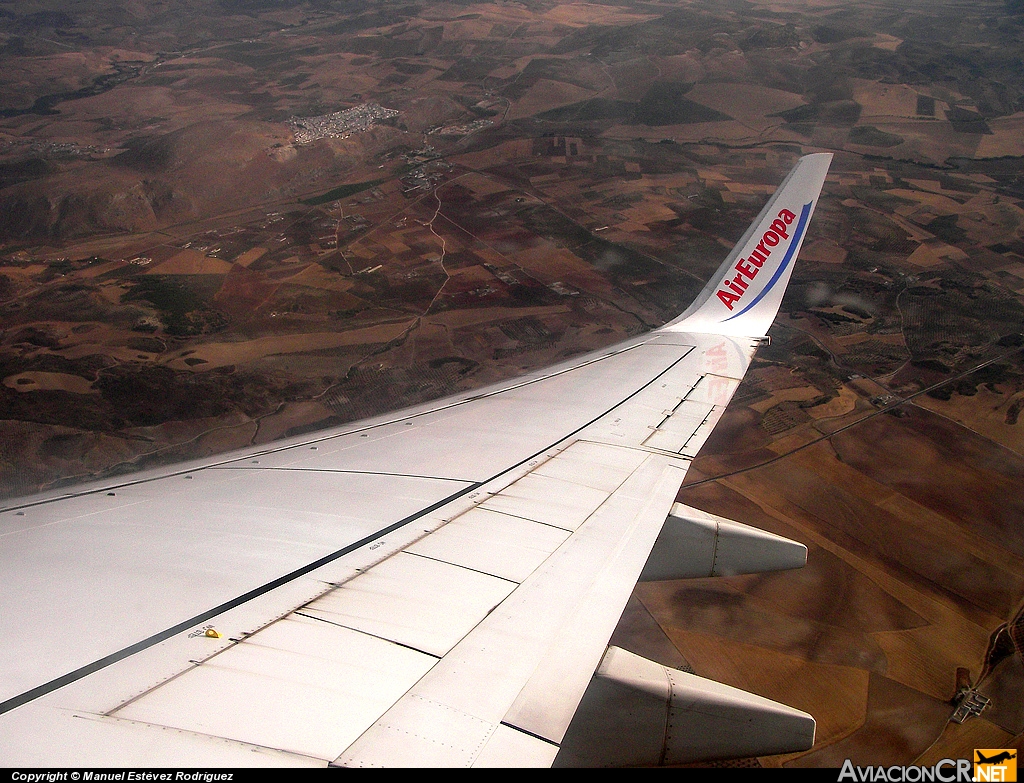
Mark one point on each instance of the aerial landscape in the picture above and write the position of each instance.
(226, 222)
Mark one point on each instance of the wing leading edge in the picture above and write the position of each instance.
(420, 588)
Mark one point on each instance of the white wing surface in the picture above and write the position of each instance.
(432, 587)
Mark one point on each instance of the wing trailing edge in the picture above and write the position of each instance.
(743, 296)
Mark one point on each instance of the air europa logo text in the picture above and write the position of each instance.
(747, 268)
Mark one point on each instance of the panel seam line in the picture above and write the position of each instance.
(90, 668)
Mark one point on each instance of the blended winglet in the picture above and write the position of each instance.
(744, 295)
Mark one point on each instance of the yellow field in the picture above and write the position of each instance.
(1015, 269)
(551, 264)
(580, 14)
(191, 262)
(481, 185)
(91, 348)
(221, 354)
(1007, 137)
(457, 319)
(887, 42)
(681, 67)
(985, 413)
(546, 95)
(315, 276)
(468, 275)
(750, 104)
(648, 212)
(925, 141)
(939, 204)
(960, 740)
(796, 393)
(725, 130)
(292, 415)
(931, 253)
(845, 403)
(823, 251)
(518, 149)
(36, 381)
(251, 255)
(886, 100)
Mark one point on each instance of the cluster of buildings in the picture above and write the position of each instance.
(53, 149)
(340, 124)
(425, 177)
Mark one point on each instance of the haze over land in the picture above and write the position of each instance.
(226, 222)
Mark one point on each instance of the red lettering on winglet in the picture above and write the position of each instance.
(727, 298)
(733, 290)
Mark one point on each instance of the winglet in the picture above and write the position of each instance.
(743, 296)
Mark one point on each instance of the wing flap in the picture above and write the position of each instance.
(45, 737)
(502, 545)
(621, 531)
(413, 600)
(508, 747)
(299, 685)
(548, 500)
(528, 663)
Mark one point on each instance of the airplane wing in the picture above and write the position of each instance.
(435, 586)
